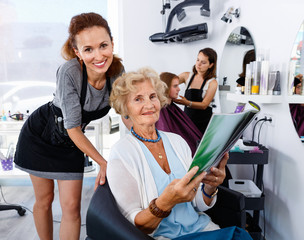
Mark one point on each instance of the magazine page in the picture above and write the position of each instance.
(222, 132)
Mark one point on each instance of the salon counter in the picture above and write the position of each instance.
(9, 132)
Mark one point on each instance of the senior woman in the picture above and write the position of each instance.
(147, 169)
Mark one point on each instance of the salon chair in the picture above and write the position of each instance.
(105, 221)
(21, 211)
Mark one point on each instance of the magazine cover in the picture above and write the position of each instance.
(223, 130)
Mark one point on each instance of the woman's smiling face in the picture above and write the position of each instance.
(95, 48)
(143, 105)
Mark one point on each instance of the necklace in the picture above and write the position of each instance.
(145, 139)
(160, 156)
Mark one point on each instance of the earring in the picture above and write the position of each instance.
(126, 117)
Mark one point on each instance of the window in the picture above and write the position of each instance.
(32, 34)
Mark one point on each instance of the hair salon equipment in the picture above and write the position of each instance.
(166, 5)
(245, 186)
(240, 37)
(255, 85)
(254, 203)
(264, 77)
(7, 164)
(224, 80)
(239, 108)
(17, 116)
(104, 219)
(184, 34)
(265, 119)
(248, 78)
(59, 122)
(229, 13)
(277, 85)
(3, 116)
(7, 161)
(272, 78)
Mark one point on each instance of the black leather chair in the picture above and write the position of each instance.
(105, 221)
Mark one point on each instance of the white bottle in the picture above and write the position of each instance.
(264, 77)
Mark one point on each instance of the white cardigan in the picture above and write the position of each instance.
(131, 180)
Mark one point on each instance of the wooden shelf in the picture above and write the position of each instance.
(269, 99)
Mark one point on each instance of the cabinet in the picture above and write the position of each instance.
(9, 132)
(254, 204)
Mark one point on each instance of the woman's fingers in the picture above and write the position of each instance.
(189, 175)
(101, 177)
(96, 182)
(189, 184)
(224, 161)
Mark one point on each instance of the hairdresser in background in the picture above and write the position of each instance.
(49, 149)
(201, 88)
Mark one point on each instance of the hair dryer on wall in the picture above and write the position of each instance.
(185, 34)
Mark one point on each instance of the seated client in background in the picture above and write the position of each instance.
(173, 119)
(147, 169)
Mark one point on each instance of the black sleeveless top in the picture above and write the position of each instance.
(198, 116)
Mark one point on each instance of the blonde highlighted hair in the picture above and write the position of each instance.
(126, 84)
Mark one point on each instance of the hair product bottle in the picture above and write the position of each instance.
(248, 78)
(255, 85)
(264, 77)
(277, 85)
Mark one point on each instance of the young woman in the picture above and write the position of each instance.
(201, 88)
(52, 143)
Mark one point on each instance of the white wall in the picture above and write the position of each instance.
(273, 25)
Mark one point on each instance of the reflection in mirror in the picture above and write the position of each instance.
(297, 115)
(295, 83)
(238, 51)
(296, 67)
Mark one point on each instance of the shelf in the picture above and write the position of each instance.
(295, 99)
(249, 158)
(254, 203)
(253, 229)
(255, 98)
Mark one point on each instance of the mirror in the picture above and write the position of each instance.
(239, 47)
(295, 83)
(296, 66)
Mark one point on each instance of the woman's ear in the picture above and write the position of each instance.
(211, 65)
(77, 53)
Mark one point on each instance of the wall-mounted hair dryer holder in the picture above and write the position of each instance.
(184, 34)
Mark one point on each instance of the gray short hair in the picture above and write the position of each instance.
(124, 85)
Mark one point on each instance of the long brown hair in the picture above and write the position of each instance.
(79, 23)
(167, 78)
(249, 57)
(212, 57)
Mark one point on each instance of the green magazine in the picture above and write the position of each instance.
(223, 130)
